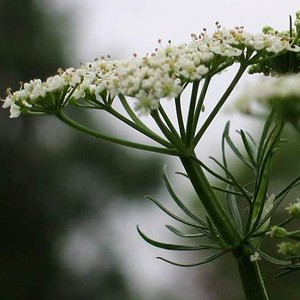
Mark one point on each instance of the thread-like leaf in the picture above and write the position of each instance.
(233, 180)
(209, 259)
(173, 215)
(288, 188)
(267, 149)
(214, 234)
(248, 148)
(269, 143)
(210, 171)
(179, 202)
(184, 235)
(260, 194)
(167, 246)
(264, 134)
(234, 211)
(271, 259)
(235, 150)
(231, 192)
(224, 135)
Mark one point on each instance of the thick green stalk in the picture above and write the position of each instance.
(210, 202)
(249, 271)
(250, 275)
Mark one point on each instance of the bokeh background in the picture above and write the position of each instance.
(70, 203)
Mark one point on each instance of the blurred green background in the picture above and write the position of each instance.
(53, 179)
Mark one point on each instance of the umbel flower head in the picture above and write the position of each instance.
(162, 74)
(294, 209)
(286, 63)
(281, 94)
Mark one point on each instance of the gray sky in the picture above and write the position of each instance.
(135, 25)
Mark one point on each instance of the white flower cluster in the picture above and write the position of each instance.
(148, 79)
(294, 209)
(282, 92)
(255, 257)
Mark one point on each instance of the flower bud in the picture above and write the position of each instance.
(294, 209)
(278, 232)
(255, 257)
(287, 248)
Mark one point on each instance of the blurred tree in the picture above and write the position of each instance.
(52, 178)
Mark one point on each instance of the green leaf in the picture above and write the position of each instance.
(278, 200)
(210, 171)
(224, 135)
(264, 134)
(271, 259)
(235, 149)
(173, 215)
(260, 194)
(167, 246)
(231, 192)
(288, 188)
(249, 148)
(233, 180)
(234, 210)
(268, 145)
(184, 235)
(209, 259)
(179, 202)
(215, 235)
(269, 140)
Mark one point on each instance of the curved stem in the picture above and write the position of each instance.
(142, 129)
(131, 113)
(174, 140)
(114, 140)
(168, 122)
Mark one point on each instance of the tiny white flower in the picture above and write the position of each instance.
(14, 111)
(8, 102)
(255, 257)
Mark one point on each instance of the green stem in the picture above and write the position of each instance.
(190, 119)
(219, 105)
(200, 103)
(249, 271)
(174, 139)
(147, 132)
(250, 275)
(168, 122)
(131, 113)
(210, 202)
(114, 140)
(180, 117)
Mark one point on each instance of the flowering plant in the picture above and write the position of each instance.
(143, 85)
